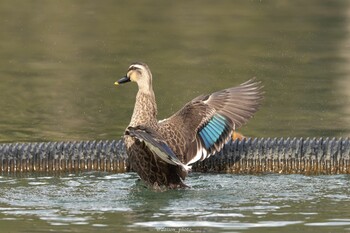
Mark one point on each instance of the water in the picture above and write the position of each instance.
(87, 202)
(58, 63)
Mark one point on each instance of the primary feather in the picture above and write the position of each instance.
(207, 122)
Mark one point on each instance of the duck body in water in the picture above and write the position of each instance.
(161, 152)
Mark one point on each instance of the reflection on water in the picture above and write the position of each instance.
(87, 201)
(59, 61)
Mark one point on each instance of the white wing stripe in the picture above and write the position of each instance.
(197, 157)
(165, 157)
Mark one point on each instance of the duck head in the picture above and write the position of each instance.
(140, 73)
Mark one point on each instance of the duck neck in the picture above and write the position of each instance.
(145, 110)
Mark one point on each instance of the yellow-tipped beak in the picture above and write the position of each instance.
(124, 79)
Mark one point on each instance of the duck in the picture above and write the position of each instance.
(162, 152)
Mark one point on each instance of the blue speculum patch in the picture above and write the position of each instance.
(213, 130)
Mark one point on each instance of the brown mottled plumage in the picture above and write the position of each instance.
(161, 151)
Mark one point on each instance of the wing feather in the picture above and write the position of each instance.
(206, 123)
(155, 144)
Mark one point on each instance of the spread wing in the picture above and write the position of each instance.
(205, 124)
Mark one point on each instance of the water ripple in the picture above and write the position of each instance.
(240, 201)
